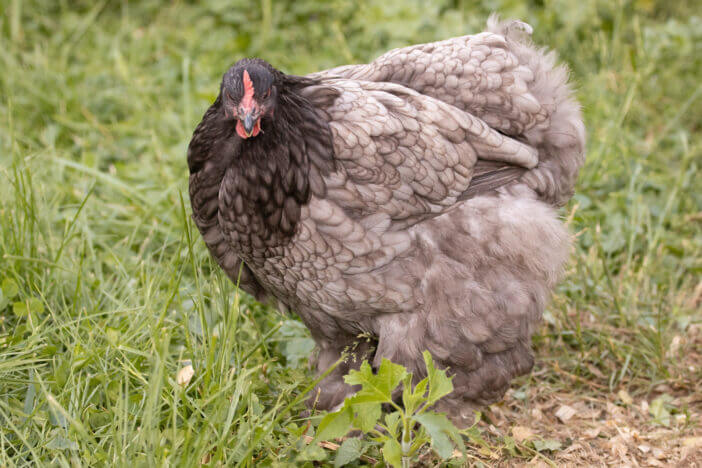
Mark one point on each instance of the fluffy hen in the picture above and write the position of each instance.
(410, 199)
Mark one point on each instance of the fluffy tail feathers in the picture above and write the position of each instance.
(560, 138)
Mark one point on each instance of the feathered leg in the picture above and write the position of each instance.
(331, 391)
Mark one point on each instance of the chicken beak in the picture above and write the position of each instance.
(248, 122)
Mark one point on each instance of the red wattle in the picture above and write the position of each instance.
(240, 129)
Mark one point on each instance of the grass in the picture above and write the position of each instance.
(107, 290)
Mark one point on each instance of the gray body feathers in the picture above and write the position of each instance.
(428, 222)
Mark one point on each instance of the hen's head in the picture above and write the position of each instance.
(249, 94)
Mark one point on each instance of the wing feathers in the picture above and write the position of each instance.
(489, 176)
(408, 155)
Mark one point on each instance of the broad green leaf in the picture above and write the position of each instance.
(439, 383)
(296, 350)
(296, 344)
(19, 309)
(376, 387)
(441, 431)
(9, 288)
(336, 424)
(350, 450)
(366, 415)
(392, 453)
(546, 444)
(31, 306)
(112, 335)
(61, 443)
(392, 421)
(407, 392)
(412, 398)
(659, 410)
(35, 306)
(312, 452)
(366, 398)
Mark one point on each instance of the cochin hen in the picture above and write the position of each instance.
(410, 199)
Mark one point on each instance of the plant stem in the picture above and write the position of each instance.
(406, 442)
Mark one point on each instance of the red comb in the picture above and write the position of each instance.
(247, 100)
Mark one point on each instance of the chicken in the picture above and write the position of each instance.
(411, 199)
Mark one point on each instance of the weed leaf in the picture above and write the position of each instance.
(366, 415)
(392, 453)
(412, 398)
(439, 383)
(441, 431)
(61, 443)
(336, 424)
(546, 444)
(376, 387)
(9, 288)
(349, 451)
